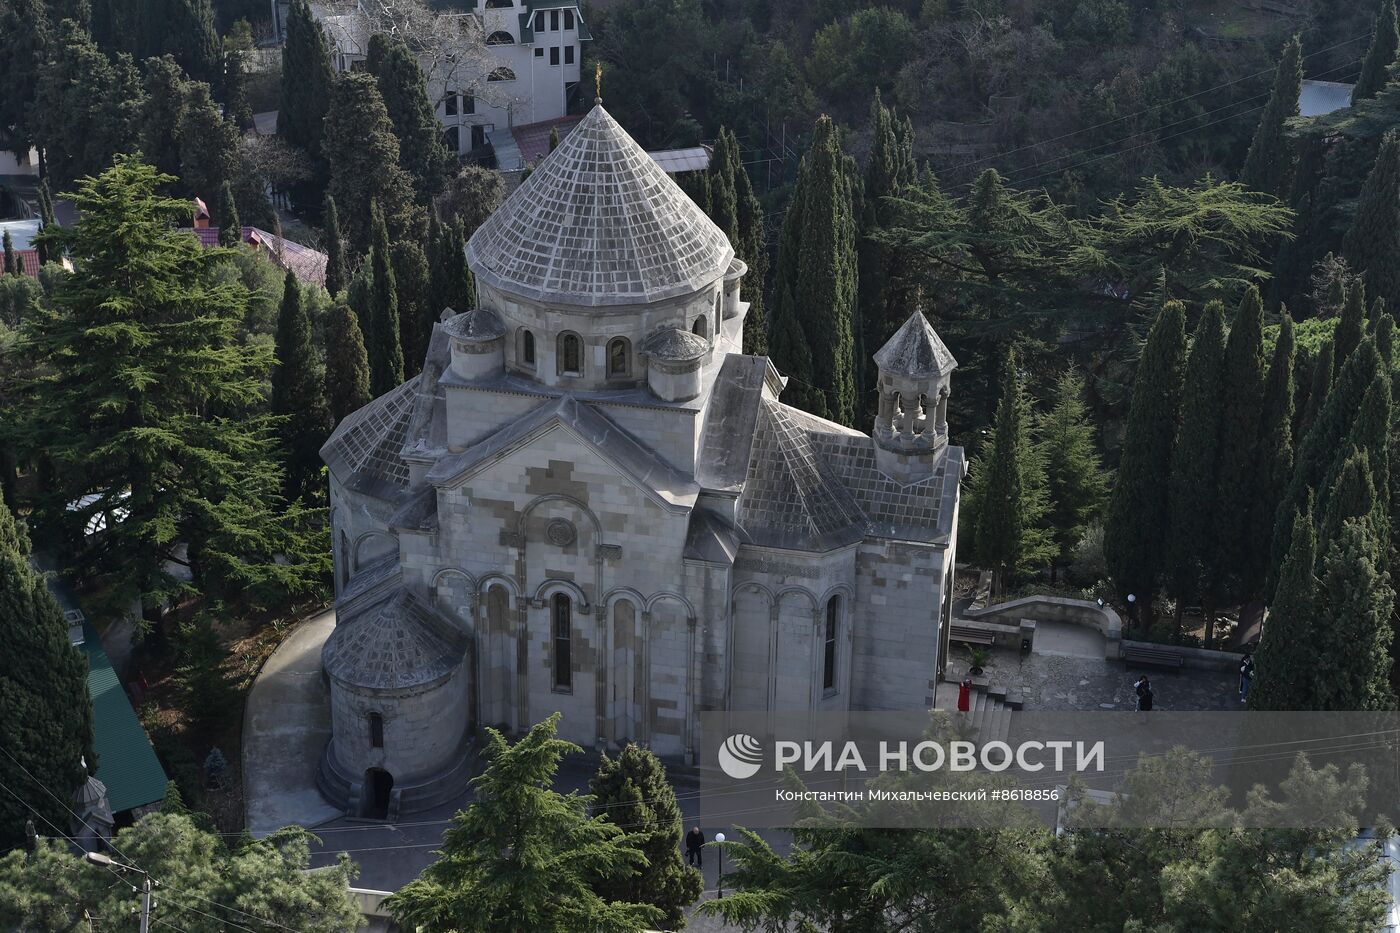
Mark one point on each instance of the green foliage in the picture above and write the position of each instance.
(1352, 322)
(1138, 511)
(633, 793)
(206, 884)
(1283, 673)
(1381, 54)
(405, 94)
(146, 400)
(1373, 241)
(25, 35)
(414, 303)
(364, 161)
(208, 144)
(11, 266)
(298, 394)
(385, 350)
(1076, 484)
(347, 366)
(236, 47)
(1275, 454)
(470, 197)
(307, 78)
(208, 694)
(45, 713)
(646, 68)
(523, 856)
(863, 51)
(337, 273)
(1240, 468)
(1351, 643)
(230, 230)
(166, 87)
(1268, 166)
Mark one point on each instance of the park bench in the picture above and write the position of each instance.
(969, 635)
(1161, 657)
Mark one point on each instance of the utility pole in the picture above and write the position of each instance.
(106, 861)
(145, 903)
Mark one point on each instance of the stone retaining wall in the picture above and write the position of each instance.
(1053, 609)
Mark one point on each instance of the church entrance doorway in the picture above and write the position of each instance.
(378, 785)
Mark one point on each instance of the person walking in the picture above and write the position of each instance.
(1143, 689)
(694, 847)
(1246, 675)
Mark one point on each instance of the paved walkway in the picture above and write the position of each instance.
(286, 725)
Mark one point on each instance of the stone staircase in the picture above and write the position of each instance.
(990, 713)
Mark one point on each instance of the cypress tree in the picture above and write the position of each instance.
(347, 366)
(632, 792)
(307, 78)
(166, 89)
(753, 250)
(697, 185)
(1284, 660)
(208, 143)
(1268, 167)
(45, 712)
(1275, 454)
(1350, 495)
(337, 275)
(817, 268)
(1375, 68)
(405, 93)
(1075, 481)
(230, 230)
(385, 350)
(25, 36)
(553, 138)
(1194, 540)
(724, 206)
(46, 220)
(360, 294)
(1139, 515)
(1318, 390)
(237, 45)
(1240, 467)
(450, 284)
(364, 162)
(1372, 244)
(414, 301)
(11, 257)
(298, 393)
(1351, 643)
(1352, 323)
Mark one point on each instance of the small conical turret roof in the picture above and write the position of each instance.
(915, 351)
(599, 223)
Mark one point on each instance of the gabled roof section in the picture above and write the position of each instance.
(365, 446)
(126, 763)
(599, 223)
(666, 485)
(915, 351)
(730, 421)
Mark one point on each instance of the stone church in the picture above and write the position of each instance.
(591, 501)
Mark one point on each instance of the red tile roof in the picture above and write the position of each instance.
(29, 262)
(307, 264)
(533, 138)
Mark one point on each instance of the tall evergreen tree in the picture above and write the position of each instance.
(238, 45)
(523, 856)
(1268, 166)
(166, 87)
(185, 29)
(1351, 324)
(1240, 468)
(1375, 67)
(1275, 455)
(405, 93)
(1139, 515)
(724, 205)
(1076, 484)
(414, 301)
(1194, 542)
(1372, 244)
(347, 365)
(45, 712)
(1351, 494)
(208, 143)
(1318, 390)
(631, 792)
(1284, 660)
(385, 350)
(817, 276)
(25, 37)
(462, 273)
(1352, 641)
(307, 78)
(47, 219)
(298, 393)
(753, 250)
(230, 230)
(146, 401)
(11, 266)
(364, 162)
(337, 273)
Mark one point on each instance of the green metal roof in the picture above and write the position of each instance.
(527, 19)
(126, 763)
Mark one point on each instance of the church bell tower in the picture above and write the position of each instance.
(911, 426)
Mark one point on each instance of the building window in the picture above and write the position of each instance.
(570, 355)
(618, 357)
(499, 4)
(452, 139)
(539, 52)
(833, 618)
(539, 22)
(701, 327)
(568, 19)
(376, 730)
(561, 610)
(468, 103)
(554, 20)
(527, 348)
(568, 54)
(449, 105)
(344, 560)
(554, 55)
(500, 37)
(501, 74)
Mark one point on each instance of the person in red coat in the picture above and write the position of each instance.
(965, 695)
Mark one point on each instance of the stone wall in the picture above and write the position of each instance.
(1053, 609)
(899, 591)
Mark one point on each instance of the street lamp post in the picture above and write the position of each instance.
(106, 861)
(719, 838)
(1132, 608)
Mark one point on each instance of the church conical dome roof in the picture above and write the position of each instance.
(599, 223)
(915, 351)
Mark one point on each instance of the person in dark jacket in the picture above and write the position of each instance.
(1143, 689)
(694, 847)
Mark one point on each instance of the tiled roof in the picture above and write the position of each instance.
(364, 448)
(28, 262)
(393, 644)
(533, 138)
(915, 351)
(599, 223)
(126, 763)
(307, 264)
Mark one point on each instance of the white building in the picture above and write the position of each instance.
(591, 502)
(528, 73)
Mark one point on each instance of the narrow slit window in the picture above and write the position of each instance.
(562, 611)
(833, 620)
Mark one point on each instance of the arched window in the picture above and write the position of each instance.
(527, 348)
(452, 139)
(570, 355)
(499, 4)
(719, 307)
(376, 730)
(701, 327)
(833, 621)
(561, 619)
(345, 558)
(619, 357)
(500, 37)
(501, 74)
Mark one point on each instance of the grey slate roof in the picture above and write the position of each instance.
(730, 421)
(392, 644)
(599, 223)
(674, 344)
(915, 351)
(477, 325)
(364, 448)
